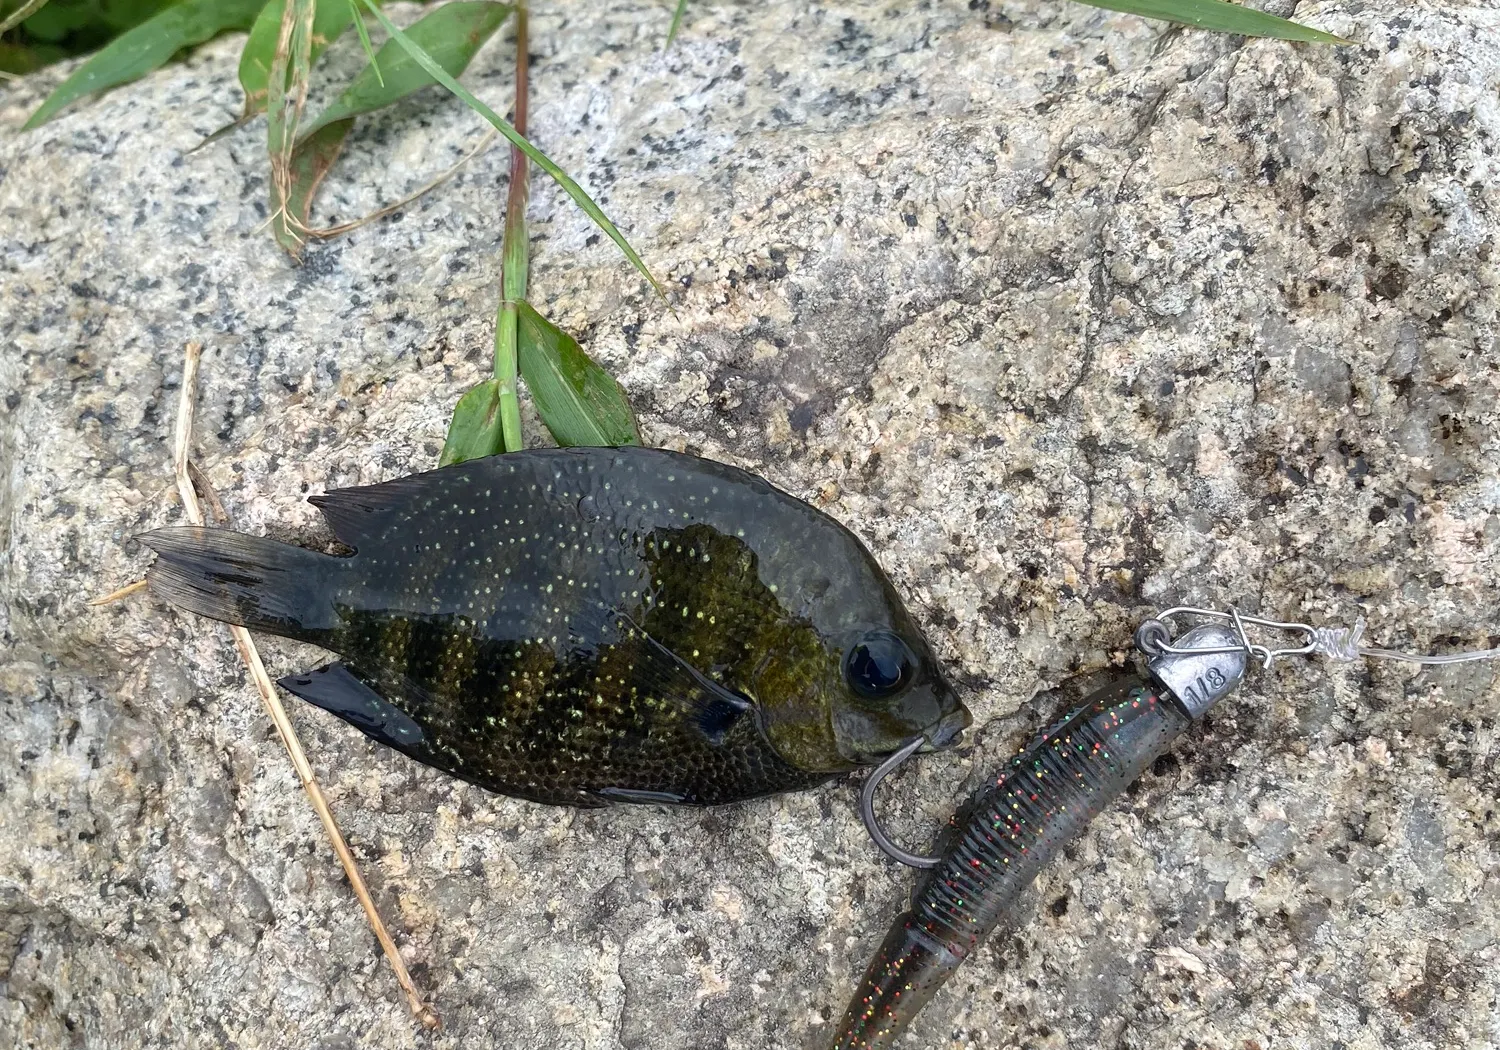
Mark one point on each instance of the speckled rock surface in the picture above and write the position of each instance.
(1070, 316)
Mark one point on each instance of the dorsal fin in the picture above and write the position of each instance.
(357, 515)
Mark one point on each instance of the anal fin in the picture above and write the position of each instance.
(336, 690)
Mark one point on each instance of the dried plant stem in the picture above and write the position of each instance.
(272, 702)
(286, 95)
(114, 596)
(201, 483)
(20, 15)
(354, 224)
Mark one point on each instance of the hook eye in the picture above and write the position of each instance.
(867, 809)
(1151, 635)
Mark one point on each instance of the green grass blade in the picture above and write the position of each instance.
(449, 35)
(579, 401)
(329, 23)
(364, 37)
(1220, 16)
(676, 21)
(136, 52)
(582, 199)
(233, 125)
(475, 430)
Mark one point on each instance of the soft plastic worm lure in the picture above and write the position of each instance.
(1014, 826)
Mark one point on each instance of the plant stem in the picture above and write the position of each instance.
(514, 261)
(547, 164)
(21, 14)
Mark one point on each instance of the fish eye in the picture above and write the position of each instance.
(879, 665)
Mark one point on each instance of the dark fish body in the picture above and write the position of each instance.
(1017, 824)
(581, 626)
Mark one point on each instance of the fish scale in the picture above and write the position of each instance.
(584, 626)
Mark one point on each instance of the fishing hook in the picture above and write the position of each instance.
(867, 808)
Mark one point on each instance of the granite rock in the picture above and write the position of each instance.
(1070, 316)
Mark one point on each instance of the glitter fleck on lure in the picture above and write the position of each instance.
(589, 625)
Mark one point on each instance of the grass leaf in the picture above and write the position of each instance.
(450, 35)
(136, 52)
(364, 37)
(676, 21)
(582, 199)
(580, 402)
(453, 32)
(329, 22)
(1220, 16)
(475, 430)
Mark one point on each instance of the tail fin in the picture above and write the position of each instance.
(247, 580)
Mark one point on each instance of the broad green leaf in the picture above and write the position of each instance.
(579, 401)
(475, 430)
(451, 35)
(311, 160)
(583, 200)
(1221, 16)
(329, 22)
(134, 53)
(18, 60)
(70, 21)
(676, 21)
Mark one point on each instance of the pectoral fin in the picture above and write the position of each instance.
(714, 708)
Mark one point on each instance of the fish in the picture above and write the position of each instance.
(1022, 818)
(587, 626)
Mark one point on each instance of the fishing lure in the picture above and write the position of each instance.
(585, 626)
(1015, 825)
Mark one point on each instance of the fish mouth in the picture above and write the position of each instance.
(948, 730)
